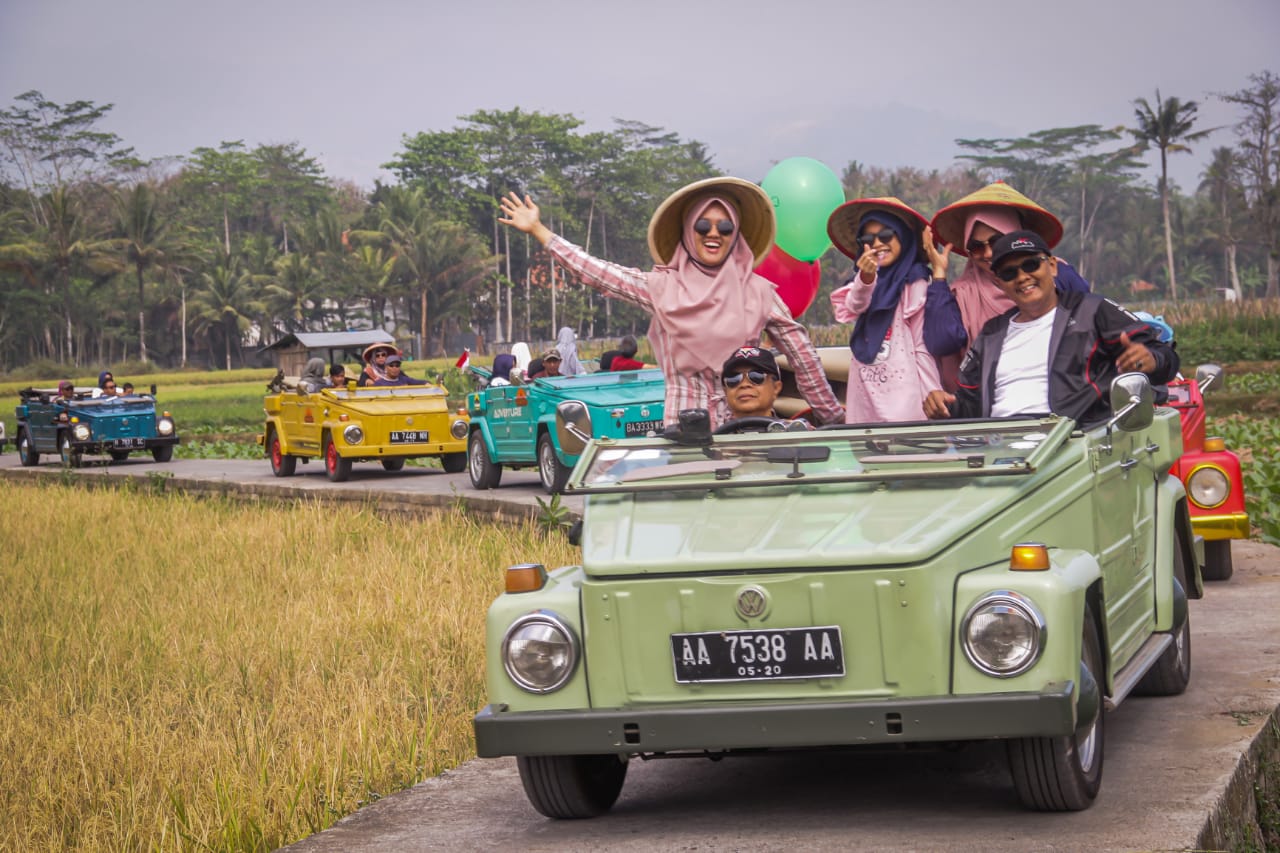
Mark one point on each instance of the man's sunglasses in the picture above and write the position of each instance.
(884, 235)
(1028, 266)
(755, 377)
(703, 227)
(978, 245)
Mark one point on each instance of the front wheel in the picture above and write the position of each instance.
(335, 465)
(572, 786)
(162, 453)
(1064, 773)
(282, 464)
(26, 453)
(454, 463)
(70, 456)
(1217, 560)
(395, 463)
(551, 470)
(484, 474)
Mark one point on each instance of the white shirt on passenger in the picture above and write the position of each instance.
(1022, 374)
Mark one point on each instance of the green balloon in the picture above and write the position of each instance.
(804, 192)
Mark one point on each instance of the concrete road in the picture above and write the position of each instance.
(1179, 771)
(1173, 764)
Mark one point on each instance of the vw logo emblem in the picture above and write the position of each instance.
(408, 421)
(752, 602)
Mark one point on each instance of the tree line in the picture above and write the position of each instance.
(201, 258)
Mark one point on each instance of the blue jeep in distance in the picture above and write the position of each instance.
(514, 426)
(116, 426)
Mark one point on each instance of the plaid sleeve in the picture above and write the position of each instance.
(625, 283)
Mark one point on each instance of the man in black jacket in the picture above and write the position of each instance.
(1055, 351)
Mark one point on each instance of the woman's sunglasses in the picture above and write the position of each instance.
(703, 227)
(978, 245)
(1028, 266)
(884, 235)
(755, 377)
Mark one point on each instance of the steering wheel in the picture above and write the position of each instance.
(755, 423)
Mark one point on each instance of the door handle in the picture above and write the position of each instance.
(1152, 448)
(1128, 463)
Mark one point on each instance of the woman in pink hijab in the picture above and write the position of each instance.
(704, 298)
(955, 314)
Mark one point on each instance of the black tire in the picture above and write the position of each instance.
(454, 463)
(395, 463)
(1217, 560)
(553, 473)
(163, 453)
(335, 465)
(26, 453)
(484, 473)
(118, 455)
(70, 456)
(1064, 773)
(567, 787)
(1171, 673)
(282, 464)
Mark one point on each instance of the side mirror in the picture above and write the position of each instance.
(1133, 402)
(351, 385)
(153, 389)
(573, 426)
(1206, 375)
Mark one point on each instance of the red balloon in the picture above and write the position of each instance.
(795, 280)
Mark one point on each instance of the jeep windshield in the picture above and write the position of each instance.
(893, 451)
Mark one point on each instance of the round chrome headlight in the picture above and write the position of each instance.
(81, 432)
(164, 426)
(1003, 634)
(353, 434)
(1208, 486)
(459, 429)
(539, 652)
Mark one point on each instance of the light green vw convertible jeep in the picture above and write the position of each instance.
(927, 582)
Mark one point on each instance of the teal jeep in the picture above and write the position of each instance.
(85, 424)
(904, 583)
(514, 426)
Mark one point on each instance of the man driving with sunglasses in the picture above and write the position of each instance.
(752, 381)
(1055, 351)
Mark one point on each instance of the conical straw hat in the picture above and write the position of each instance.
(842, 226)
(755, 216)
(948, 223)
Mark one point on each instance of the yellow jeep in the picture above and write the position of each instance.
(345, 425)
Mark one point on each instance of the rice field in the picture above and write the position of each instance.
(185, 674)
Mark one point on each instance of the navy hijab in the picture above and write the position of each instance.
(873, 324)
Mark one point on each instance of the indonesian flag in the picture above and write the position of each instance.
(464, 360)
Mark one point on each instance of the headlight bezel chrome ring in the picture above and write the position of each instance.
(1021, 604)
(1208, 469)
(459, 429)
(353, 434)
(81, 432)
(166, 427)
(557, 622)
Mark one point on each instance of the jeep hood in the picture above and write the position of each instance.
(606, 389)
(399, 404)
(833, 524)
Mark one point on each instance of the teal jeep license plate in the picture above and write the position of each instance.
(758, 655)
(641, 428)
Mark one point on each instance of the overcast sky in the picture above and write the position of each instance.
(884, 83)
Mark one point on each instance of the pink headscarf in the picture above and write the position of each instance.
(708, 312)
(977, 291)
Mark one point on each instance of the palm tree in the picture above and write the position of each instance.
(1167, 126)
(1221, 181)
(227, 301)
(143, 240)
(296, 291)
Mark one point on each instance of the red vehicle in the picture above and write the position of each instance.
(1211, 475)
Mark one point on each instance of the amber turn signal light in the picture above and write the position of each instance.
(1029, 557)
(1214, 443)
(526, 577)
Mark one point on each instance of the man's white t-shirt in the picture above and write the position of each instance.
(1022, 374)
